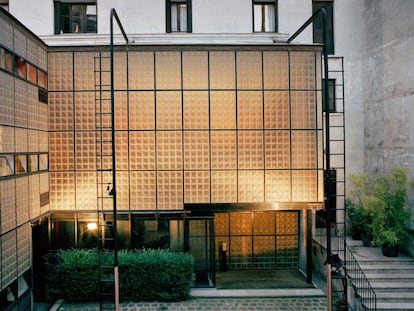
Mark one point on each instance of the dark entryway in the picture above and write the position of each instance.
(40, 249)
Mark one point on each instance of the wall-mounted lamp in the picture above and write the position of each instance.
(92, 226)
(109, 190)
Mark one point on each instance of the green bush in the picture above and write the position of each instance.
(143, 275)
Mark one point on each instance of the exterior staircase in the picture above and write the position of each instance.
(392, 278)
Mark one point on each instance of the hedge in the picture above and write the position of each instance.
(143, 275)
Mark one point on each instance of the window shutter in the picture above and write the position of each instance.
(189, 16)
(167, 16)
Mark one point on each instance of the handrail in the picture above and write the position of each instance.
(360, 282)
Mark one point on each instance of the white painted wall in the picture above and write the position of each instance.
(38, 16)
(292, 15)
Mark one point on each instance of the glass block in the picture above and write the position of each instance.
(8, 205)
(275, 70)
(37, 113)
(250, 149)
(264, 252)
(222, 70)
(22, 203)
(7, 139)
(276, 110)
(169, 110)
(221, 224)
(143, 190)
(6, 99)
(170, 190)
(251, 186)
(302, 70)
(43, 141)
(168, 70)
(84, 71)
(20, 103)
(223, 149)
(32, 54)
(196, 187)
(86, 198)
(223, 109)
(20, 46)
(249, 70)
(241, 223)
(169, 150)
(305, 186)
(34, 198)
(195, 70)
(223, 186)
(42, 117)
(196, 112)
(264, 224)
(277, 186)
(287, 252)
(62, 190)
(249, 110)
(241, 252)
(8, 257)
(33, 140)
(287, 223)
(23, 248)
(21, 140)
(61, 111)
(304, 151)
(196, 150)
(6, 33)
(85, 151)
(141, 110)
(121, 110)
(121, 147)
(303, 109)
(141, 70)
(142, 150)
(120, 70)
(60, 72)
(277, 149)
(122, 190)
(84, 110)
(61, 151)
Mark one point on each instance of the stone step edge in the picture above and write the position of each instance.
(240, 293)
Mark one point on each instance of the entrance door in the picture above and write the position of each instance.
(200, 243)
(40, 249)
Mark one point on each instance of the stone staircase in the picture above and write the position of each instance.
(391, 278)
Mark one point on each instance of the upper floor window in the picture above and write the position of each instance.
(265, 15)
(178, 16)
(75, 17)
(318, 24)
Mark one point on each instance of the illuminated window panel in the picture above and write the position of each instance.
(6, 99)
(277, 149)
(142, 150)
(8, 257)
(23, 248)
(85, 151)
(85, 111)
(222, 70)
(241, 223)
(170, 190)
(195, 70)
(249, 70)
(61, 151)
(169, 150)
(249, 110)
(264, 252)
(197, 187)
(241, 252)
(302, 70)
(287, 223)
(20, 103)
(141, 70)
(102, 78)
(276, 110)
(250, 149)
(86, 190)
(104, 149)
(287, 253)
(251, 186)
(223, 150)
(141, 111)
(121, 110)
(34, 198)
(21, 140)
(169, 110)
(277, 186)
(60, 72)
(122, 191)
(36, 118)
(42, 116)
(196, 110)
(84, 71)
(61, 111)
(22, 203)
(168, 70)
(304, 152)
(303, 110)
(221, 224)
(264, 224)
(7, 139)
(276, 70)
(305, 186)
(120, 71)
(143, 190)
(223, 186)
(62, 190)
(223, 109)
(8, 205)
(121, 145)
(43, 141)
(196, 150)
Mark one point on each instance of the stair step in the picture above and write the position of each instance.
(393, 286)
(394, 306)
(395, 297)
(390, 277)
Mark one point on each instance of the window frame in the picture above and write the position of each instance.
(332, 95)
(265, 2)
(83, 18)
(168, 15)
(328, 5)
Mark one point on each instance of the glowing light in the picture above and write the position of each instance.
(92, 226)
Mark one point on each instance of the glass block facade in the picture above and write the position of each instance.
(193, 125)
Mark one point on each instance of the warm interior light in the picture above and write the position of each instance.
(92, 226)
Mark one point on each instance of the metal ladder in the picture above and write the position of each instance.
(104, 174)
